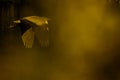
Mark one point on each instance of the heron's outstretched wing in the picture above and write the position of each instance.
(36, 20)
(42, 36)
(28, 38)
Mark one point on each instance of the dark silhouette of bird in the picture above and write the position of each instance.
(34, 27)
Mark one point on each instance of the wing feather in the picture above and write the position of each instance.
(28, 38)
(37, 20)
(42, 36)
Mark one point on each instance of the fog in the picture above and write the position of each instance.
(84, 43)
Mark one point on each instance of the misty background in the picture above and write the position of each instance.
(84, 41)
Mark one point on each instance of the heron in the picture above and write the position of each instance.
(37, 28)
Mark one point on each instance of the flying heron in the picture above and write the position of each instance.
(37, 28)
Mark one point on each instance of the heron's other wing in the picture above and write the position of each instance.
(28, 38)
(42, 36)
(37, 20)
